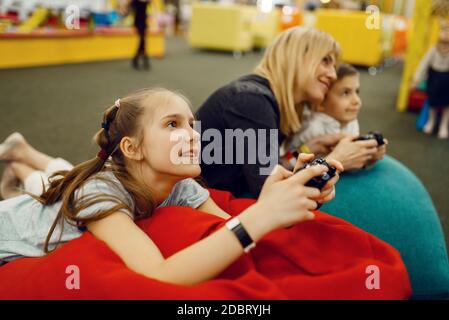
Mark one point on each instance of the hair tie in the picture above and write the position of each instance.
(105, 125)
(103, 155)
(117, 103)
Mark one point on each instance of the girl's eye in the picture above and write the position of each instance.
(191, 125)
(172, 124)
(327, 60)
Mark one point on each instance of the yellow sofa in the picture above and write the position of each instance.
(236, 28)
(360, 45)
(40, 48)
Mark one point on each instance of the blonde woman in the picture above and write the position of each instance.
(298, 68)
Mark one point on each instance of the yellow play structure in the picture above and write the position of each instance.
(34, 46)
(423, 35)
(231, 27)
(360, 45)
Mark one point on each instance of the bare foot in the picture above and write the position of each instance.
(13, 148)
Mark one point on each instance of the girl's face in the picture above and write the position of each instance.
(343, 102)
(316, 89)
(170, 145)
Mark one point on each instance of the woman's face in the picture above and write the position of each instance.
(316, 88)
(343, 102)
(170, 145)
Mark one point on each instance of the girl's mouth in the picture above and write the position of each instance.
(191, 153)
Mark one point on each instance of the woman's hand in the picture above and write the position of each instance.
(323, 145)
(354, 154)
(284, 200)
(328, 192)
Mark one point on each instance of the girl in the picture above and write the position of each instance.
(337, 114)
(435, 68)
(141, 166)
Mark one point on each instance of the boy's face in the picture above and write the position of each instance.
(444, 34)
(343, 102)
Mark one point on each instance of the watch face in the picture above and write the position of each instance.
(233, 223)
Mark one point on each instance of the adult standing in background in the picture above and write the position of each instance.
(140, 23)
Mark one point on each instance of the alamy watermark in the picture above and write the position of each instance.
(373, 280)
(72, 282)
(234, 146)
(72, 17)
(373, 20)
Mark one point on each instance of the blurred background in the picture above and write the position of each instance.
(63, 61)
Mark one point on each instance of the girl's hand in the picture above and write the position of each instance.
(328, 192)
(413, 85)
(354, 154)
(284, 200)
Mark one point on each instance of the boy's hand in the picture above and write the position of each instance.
(379, 155)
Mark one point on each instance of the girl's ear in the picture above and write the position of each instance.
(131, 149)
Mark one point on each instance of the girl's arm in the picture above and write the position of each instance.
(284, 201)
(421, 72)
(209, 206)
(141, 255)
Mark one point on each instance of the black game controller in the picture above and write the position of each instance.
(372, 135)
(319, 181)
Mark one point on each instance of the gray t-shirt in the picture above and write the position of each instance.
(25, 223)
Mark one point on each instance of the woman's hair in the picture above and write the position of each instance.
(125, 118)
(294, 54)
(346, 70)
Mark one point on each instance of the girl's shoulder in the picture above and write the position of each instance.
(104, 183)
(187, 193)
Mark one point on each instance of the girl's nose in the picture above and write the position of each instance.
(194, 135)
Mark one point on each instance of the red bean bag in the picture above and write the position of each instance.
(326, 258)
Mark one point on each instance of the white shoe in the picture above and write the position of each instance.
(10, 185)
(13, 140)
(443, 134)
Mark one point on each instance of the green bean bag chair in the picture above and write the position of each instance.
(390, 202)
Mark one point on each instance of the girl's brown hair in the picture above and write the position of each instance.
(125, 118)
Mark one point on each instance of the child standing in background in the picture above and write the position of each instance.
(435, 68)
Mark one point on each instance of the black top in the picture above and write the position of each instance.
(247, 103)
(140, 11)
